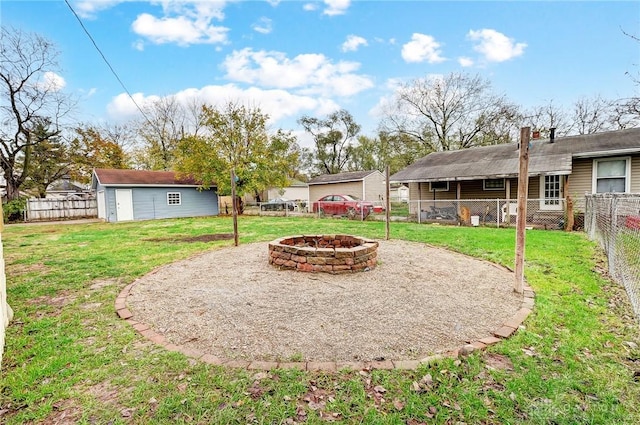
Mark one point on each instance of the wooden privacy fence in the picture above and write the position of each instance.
(60, 209)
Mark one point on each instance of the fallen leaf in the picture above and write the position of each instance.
(399, 405)
(380, 389)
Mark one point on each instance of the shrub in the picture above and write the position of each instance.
(14, 210)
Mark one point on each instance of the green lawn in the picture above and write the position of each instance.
(69, 359)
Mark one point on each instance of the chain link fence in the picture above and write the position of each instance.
(613, 220)
(546, 214)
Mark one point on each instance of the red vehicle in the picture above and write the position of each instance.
(344, 205)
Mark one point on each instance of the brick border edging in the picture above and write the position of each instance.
(505, 331)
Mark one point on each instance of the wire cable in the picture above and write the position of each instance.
(113, 71)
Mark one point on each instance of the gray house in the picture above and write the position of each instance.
(365, 185)
(125, 195)
(574, 165)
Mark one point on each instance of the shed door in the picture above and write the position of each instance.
(124, 205)
(102, 210)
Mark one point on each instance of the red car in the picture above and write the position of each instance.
(345, 205)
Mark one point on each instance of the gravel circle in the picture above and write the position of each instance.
(418, 301)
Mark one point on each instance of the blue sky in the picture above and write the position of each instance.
(295, 58)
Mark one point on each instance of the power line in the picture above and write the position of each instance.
(107, 62)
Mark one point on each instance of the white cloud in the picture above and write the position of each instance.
(52, 82)
(422, 48)
(465, 61)
(138, 45)
(309, 7)
(307, 73)
(263, 26)
(278, 104)
(89, 8)
(180, 30)
(495, 46)
(336, 7)
(353, 42)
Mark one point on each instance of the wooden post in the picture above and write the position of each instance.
(235, 207)
(568, 225)
(387, 203)
(521, 221)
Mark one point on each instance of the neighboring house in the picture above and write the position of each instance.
(143, 195)
(68, 189)
(398, 192)
(365, 185)
(574, 165)
(296, 191)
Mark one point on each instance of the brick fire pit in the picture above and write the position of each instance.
(324, 253)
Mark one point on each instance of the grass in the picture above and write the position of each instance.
(69, 358)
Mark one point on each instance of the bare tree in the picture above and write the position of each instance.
(591, 115)
(30, 94)
(542, 118)
(451, 112)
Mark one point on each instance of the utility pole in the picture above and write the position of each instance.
(521, 221)
(387, 202)
(235, 208)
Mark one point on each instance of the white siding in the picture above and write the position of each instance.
(374, 187)
(5, 311)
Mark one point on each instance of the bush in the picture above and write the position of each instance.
(14, 210)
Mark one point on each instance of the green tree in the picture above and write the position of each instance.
(236, 137)
(50, 159)
(91, 149)
(395, 150)
(333, 138)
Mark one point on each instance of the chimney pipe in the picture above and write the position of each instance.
(552, 134)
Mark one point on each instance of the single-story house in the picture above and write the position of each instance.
(125, 195)
(296, 191)
(573, 165)
(365, 185)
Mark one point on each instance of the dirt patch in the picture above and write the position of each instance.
(59, 300)
(64, 412)
(19, 269)
(419, 300)
(498, 361)
(103, 283)
(201, 238)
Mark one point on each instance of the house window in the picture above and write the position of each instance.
(438, 186)
(174, 198)
(611, 175)
(551, 192)
(493, 184)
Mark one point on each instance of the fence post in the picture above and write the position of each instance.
(611, 251)
(419, 211)
(498, 213)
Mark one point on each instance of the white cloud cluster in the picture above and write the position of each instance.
(184, 23)
(353, 42)
(89, 8)
(52, 82)
(263, 26)
(421, 48)
(306, 73)
(278, 104)
(495, 46)
(336, 7)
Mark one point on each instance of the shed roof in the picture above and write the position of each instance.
(112, 177)
(545, 157)
(348, 176)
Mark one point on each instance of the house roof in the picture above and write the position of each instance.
(545, 157)
(112, 177)
(349, 176)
